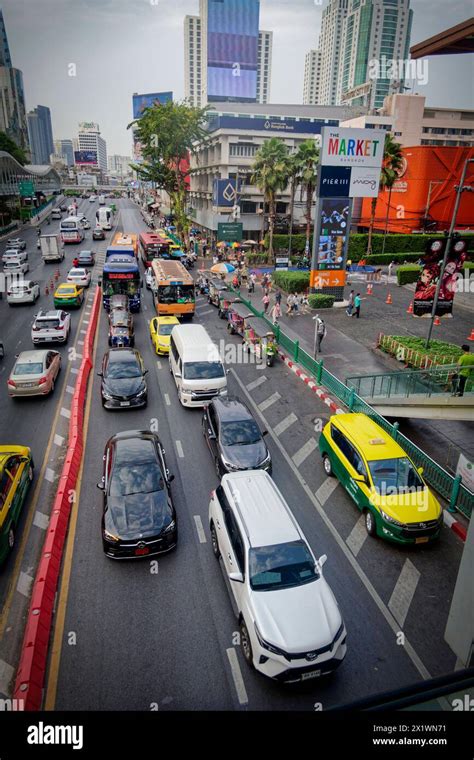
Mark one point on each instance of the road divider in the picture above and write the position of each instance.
(30, 676)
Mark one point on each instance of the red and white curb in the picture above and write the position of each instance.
(455, 525)
(312, 385)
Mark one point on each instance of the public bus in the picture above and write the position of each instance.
(121, 276)
(153, 245)
(125, 240)
(104, 217)
(174, 293)
(71, 230)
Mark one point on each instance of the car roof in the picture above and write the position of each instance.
(30, 357)
(231, 408)
(261, 508)
(167, 320)
(371, 439)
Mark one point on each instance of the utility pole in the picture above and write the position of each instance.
(459, 190)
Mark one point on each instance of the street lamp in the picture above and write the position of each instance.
(459, 190)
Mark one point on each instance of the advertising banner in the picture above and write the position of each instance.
(334, 181)
(229, 232)
(232, 49)
(332, 233)
(224, 193)
(140, 102)
(426, 286)
(85, 157)
(343, 146)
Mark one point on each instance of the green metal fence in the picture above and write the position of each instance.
(447, 485)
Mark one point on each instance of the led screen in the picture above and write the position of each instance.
(232, 49)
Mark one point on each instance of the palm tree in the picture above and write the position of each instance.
(391, 165)
(307, 159)
(270, 172)
(294, 171)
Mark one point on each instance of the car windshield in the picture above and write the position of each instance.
(121, 369)
(203, 370)
(165, 329)
(281, 566)
(136, 478)
(239, 433)
(67, 291)
(394, 475)
(28, 369)
(77, 273)
(176, 293)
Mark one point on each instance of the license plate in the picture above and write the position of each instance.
(422, 540)
(313, 674)
(28, 385)
(125, 403)
(141, 552)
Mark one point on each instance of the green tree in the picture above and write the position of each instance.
(270, 173)
(391, 165)
(168, 133)
(294, 171)
(307, 159)
(10, 146)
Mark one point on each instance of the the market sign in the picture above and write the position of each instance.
(343, 146)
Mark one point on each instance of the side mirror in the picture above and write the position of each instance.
(264, 432)
(170, 478)
(227, 371)
(101, 485)
(236, 577)
(360, 478)
(210, 433)
(420, 470)
(177, 374)
(145, 372)
(100, 374)
(322, 559)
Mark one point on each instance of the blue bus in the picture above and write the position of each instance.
(119, 250)
(121, 276)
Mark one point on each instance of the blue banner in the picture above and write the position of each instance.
(224, 193)
(272, 124)
(334, 181)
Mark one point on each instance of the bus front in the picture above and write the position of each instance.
(121, 276)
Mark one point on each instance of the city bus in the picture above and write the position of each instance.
(174, 293)
(153, 245)
(104, 217)
(121, 276)
(125, 240)
(71, 230)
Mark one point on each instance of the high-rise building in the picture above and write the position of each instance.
(312, 72)
(332, 25)
(5, 58)
(40, 132)
(12, 95)
(65, 148)
(119, 164)
(227, 58)
(91, 142)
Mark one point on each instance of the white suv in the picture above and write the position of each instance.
(51, 327)
(291, 627)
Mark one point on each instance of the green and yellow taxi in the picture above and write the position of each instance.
(16, 474)
(68, 294)
(160, 332)
(382, 480)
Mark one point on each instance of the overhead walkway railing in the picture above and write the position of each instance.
(433, 381)
(448, 486)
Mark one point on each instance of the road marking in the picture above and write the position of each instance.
(269, 401)
(69, 389)
(237, 676)
(58, 440)
(85, 322)
(49, 475)
(255, 383)
(376, 598)
(357, 537)
(24, 584)
(65, 412)
(179, 449)
(208, 311)
(158, 364)
(403, 592)
(82, 332)
(285, 424)
(167, 399)
(80, 342)
(304, 452)
(325, 490)
(41, 520)
(200, 529)
(6, 675)
(75, 370)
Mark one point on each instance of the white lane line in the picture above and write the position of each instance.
(304, 452)
(83, 332)
(69, 389)
(80, 342)
(158, 364)
(237, 676)
(41, 520)
(58, 440)
(75, 370)
(24, 584)
(285, 424)
(49, 475)
(269, 401)
(85, 322)
(179, 449)
(200, 529)
(403, 592)
(325, 490)
(66, 413)
(167, 399)
(357, 537)
(6, 675)
(256, 383)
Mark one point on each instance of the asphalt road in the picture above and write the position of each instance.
(130, 638)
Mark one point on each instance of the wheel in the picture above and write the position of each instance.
(214, 542)
(246, 644)
(370, 523)
(327, 466)
(11, 537)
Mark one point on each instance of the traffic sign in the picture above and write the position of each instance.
(27, 188)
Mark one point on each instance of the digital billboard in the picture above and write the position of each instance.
(86, 157)
(333, 232)
(140, 102)
(232, 50)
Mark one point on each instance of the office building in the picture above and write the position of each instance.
(119, 165)
(312, 73)
(226, 57)
(40, 133)
(5, 58)
(90, 142)
(65, 148)
(12, 95)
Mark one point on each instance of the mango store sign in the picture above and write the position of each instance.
(342, 146)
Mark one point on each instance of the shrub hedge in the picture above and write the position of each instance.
(407, 273)
(291, 282)
(321, 301)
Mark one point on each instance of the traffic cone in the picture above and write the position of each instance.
(437, 321)
(471, 337)
(410, 308)
(389, 299)
(369, 289)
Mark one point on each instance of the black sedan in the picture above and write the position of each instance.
(86, 258)
(139, 518)
(98, 233)
(121, 328)
(123, 379)
(234, 438)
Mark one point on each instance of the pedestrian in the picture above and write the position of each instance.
(295, 305)
(215, 260)
(289, 305)
(466, 371)
(278, 297)
(75, 262)
(320, 331)
(390, 267)
(235, 282)
(304, 303)
(252, 279)
(276, 312)
(266, 302)
(350, 304)
(357, 301)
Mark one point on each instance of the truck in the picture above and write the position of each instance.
(51, 248)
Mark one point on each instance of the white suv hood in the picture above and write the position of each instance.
(298, 619)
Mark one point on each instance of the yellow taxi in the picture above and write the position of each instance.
(381, 478)
(160, 331)
(16, 474)
(68, 294)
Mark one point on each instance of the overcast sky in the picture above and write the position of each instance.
(124, 46)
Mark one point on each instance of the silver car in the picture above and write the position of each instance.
(34, 373)
(23, 292)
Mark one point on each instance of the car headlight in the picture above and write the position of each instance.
(107, 395)
(229, 465)
(266, 460)
(110, 536)
(171, 527)
(391, 520)
(141, 392)
(267, 645)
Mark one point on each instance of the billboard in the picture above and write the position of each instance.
(140, 102)
(273, 124)
(333, 232)
(85, 157)
(230, 232)
(344, 146)
(224, 193)
(232, 49)
(429, 276)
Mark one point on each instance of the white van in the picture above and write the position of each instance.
(196, 365)
(101, 200)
